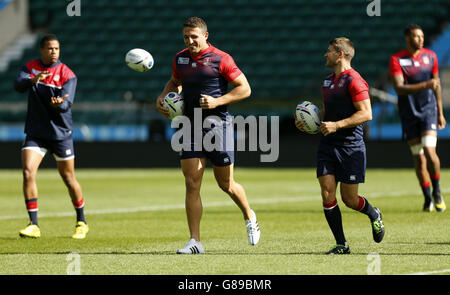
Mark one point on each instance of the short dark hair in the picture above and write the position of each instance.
(46, 38)
(196, 22)
(411, 27)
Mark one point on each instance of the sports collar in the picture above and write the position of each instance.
(343, 73)
(407, 52)
(50, 65)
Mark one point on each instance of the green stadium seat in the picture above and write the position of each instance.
(279, 44)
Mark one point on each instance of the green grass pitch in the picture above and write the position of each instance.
(137, 221)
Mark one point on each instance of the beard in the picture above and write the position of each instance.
(329, 63)
(414, 45)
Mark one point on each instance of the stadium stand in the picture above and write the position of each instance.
(279, 44)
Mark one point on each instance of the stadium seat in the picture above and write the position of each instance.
(279, 44)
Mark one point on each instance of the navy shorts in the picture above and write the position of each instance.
(412, 127)
(217, 145)
(347, 164)
(62, 150)
(218, 158)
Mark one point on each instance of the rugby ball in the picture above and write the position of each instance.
(309, 114)
(175, 103)
(139, 60)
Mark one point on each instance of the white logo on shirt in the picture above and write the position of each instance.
(405, 62)
(183, 60)
(326, 83)
(56, 78)
(35, 72)
(426, 60)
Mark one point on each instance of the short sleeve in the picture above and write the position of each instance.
(359, 90)
(394, 67)
(435, 69)
(228, 68)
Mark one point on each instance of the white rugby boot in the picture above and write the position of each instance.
(192, 247)
(253, 232)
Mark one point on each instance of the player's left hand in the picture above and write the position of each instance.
(299, 124)
(328, 128)
(208, 102)
(441, 122)
(57, 101)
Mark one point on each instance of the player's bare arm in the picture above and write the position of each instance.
(403, 89)
(363, 114)
(241, 90)
(440, 111)
(173, 85)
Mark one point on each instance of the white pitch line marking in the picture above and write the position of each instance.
(429, 272)
(206, 204)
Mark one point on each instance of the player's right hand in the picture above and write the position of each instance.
(161, 108)
(434, 83)
(40, 77)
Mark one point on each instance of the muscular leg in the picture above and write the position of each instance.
(225, 180)
(420, 162)
(328, 186)
(349, 194)
(433, 162)
(67, 171)
(193, 173)
(351, 199)
(429, 139)
(420, 165)
(30, 163)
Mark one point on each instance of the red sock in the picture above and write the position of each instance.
(78, 204)
(330, 205)
(32, 208)
(361, 204)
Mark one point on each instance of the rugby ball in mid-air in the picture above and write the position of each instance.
(175, 103)
(309, 114)
(139, 60)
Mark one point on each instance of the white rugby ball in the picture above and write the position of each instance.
(309, 114)
(139, 60)
(175, 103)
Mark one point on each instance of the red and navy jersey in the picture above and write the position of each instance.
(415, 70)
(207, 73)
(43, 120)
(339, 94)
